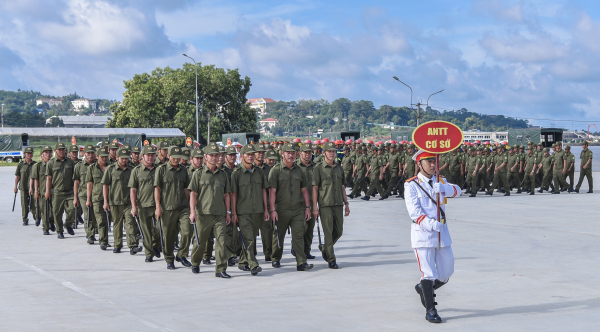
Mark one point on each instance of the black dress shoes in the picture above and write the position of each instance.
(183, 261)
(117, 250)
(133, 251)
(46, 233)
(244, 268)
(365, 198)
(231, 261)
(304, 267)
(206, 262)
(171, 266)
(70, 230)
(196, 269)
(176, 247)
(60, 236)
(25, 223)
(267, 259)
(333, 265)
(256, 270)
(103, 246)
(293, 252)
(223, 275)
(309, 256)
(156, 252)
(52, 227)
(90, 240)
(275, 264)
(149, 259)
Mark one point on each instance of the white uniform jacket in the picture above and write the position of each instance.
(423, 212)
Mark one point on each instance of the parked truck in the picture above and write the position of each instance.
(12, 147)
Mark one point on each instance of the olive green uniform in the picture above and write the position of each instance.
(361, 171)
(290, 207)
(38, 173)
(24, 171)
(117, 180)
(210, 211)
(454, 164)
(394, 168)
(266, 226)
(570, 173)
(586, 156)
(80, 174)
(375, 163)
(547, 162)
(472, 163)
(330, 183)
(248, 184)
(310, 224)
(62, 191)
(558, 176)
(530, 162)
(94, 175)
(233, 245)
(500, 174)
(513, 178)
(142, 179)
(175, 209)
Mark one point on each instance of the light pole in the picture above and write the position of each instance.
(197, 133)
(419, 103)
(2, 115)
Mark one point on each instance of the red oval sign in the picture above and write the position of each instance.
(438, 137)
(188, 141)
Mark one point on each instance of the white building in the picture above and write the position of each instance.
(267, 123)
(49, 101)
(259, 105)
(81, 103)
(492, 136)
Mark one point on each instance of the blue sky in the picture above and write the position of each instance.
(531, 59)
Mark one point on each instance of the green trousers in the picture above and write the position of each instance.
(122, 217)
(500, 178)
(47, 218)
(172, 219)
(90, 224)
(309, 230)
(474, 185)
(571, 176)
(375, 185)
(233, 244)
(63, 203)
(470, 181)
(150, 231)
(360, 185)
(348, 175)
(26, 204)
(101, 221)
(513, 179)
(559, 180)
(249, 225)
(332, 219)
(586, 173)
(529, 180)
(393, 182)
(547, 181)
(210, 244)
(207, 224)
(266, 237)
(295, 220)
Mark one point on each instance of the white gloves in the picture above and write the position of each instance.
(442, 189)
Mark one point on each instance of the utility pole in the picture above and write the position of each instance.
(197, 130)
(418, 114)
(2, 115)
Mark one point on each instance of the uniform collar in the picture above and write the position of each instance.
(170, 167)
(423, 178)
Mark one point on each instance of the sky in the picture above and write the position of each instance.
(529, 59)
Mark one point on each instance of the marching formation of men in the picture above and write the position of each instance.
(169, 198)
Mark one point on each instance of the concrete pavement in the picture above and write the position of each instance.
(522, 263)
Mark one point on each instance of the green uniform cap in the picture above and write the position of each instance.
(103, 152)
(29, 149)
(197, 153)
(530, 148)
(546, 149)
(113, 145)
(568, 147)
(212, 149)
(59, 146)
(89, 148)
(231, 150)
(105, 144)
(46, 148)
(136, 149)
(221, 149)
(74, 148)
(306, 147)
(163, 145)
(175, 152)
(249, 148)
(553, 145)
(288, 147)
(271, 155)
(328, 146)
(186, 153)
(540, 144)
(148, 149)
(364, 148)
(558, 143)
(584, 143)
(257, 147)
(123, 153)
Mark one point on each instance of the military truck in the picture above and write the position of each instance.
(129, 139)
(12, 147)
(242, 138)
(343, 135)
(547, 136)
(403, 134)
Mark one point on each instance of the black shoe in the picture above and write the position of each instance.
(482, 189)
(531, 193)
(304, 267)
(275, 264)
(383, 197)
(501, 191)
(206, 262)
(231, 261)
(590, 192)
(576, 190)
(555, 192)
(60, 236)
(90, 240)
(196, 269)
(324, 255)
(333, 265)
(256, 270)
(468, 192)
(420, 292)
(138, 248)
(507, 194)
(267, 259)
(46, 233)
(373, 195)
(149, 259)
(156, 252)
(472, 195)
(540, 191)
(244, 268)
(25, 223)
(37, 223)
(212, 258)
(117, 250)
(488, 193)
(518, 192)
(103, 246)
(309, 256)
(365, 198)
(171, 266)
(427, 290)
(184, 261)
(293, 252)
(95, 231)
(223, 275)
(351, 196)
(176, 247)
(52, 227)
(132, 251)
(70, 230)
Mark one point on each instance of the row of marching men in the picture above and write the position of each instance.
(170, 199)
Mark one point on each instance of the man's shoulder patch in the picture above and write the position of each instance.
(411, 179)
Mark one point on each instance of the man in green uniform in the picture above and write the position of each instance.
(360, 171)
(233, 244)
(347, 164)
(530, 169)
(143, 205)
(318, 157)
(80, 189)
(570, 174)
(112, 151)
(545, 167)
(163, 151)
(329, 192)
(185, 160)
(560, 169)
(271, 159)
(135, 156)
(585, 169)
(266, 227)
(455, 170)
(410, 167)
(249, 205)
(172, 198)
(393, 165)
(500, 170)
(118, 202)
(210, 210)
(488, 161)
(307, 165)
(59, 188)
(197, 163)
(473, 166)
(22, 182)
(288, 200)
(514, 166)
(375, 175)
(38, 175)
(95, 196)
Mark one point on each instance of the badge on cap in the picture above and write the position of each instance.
(146, 142)
(188, 141)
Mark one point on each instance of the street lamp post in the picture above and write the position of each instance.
(2, 115)
(197, 130)
(419, 103)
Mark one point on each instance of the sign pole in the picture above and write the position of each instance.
(437, 195)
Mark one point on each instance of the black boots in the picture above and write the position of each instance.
(428, 297)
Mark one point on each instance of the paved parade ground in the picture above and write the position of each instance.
(523, 263)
